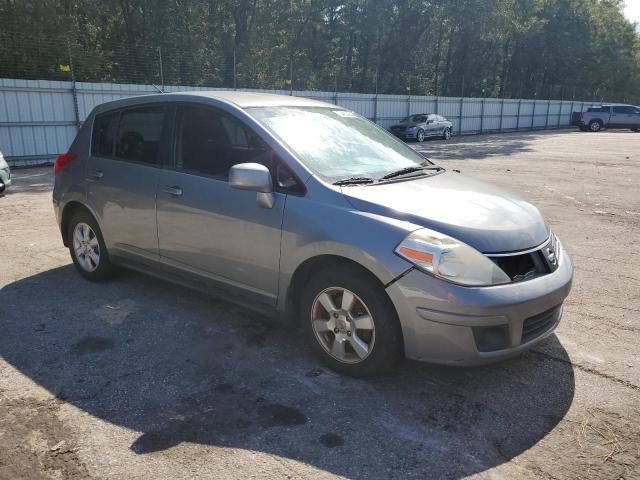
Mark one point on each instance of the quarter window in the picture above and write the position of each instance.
(104, 131)
(139, 134)
(210, 142)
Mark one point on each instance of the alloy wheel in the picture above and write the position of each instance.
(420, 136)
(343, 325)
(86, 247)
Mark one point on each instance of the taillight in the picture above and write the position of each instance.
(62, 161)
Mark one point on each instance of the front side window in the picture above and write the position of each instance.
(624, 109)
(336, 144)
(139, 134)
(104, 131)
(210, 142)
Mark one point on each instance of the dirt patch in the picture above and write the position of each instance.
(39, 445)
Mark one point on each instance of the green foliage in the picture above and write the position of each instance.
(512, 48)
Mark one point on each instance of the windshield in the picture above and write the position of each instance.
(415, 119)
(337, 144)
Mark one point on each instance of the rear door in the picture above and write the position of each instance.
(122, 172)
(205, 226)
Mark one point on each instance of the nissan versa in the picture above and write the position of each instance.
(311, 212)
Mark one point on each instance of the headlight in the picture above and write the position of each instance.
(411, 128)
(450, 259)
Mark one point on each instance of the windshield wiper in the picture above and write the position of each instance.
(354, 181)
(408, 170)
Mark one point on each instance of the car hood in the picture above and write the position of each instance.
(488, 218)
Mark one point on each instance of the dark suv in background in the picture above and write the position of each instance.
(423, 125)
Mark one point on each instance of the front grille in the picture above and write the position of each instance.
(524, 266)
(539, 324)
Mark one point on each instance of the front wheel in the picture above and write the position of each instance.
(420, 136)
(350, 322)
(446, 134)
(87, 247)
(595, 125)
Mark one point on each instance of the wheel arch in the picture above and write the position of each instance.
(316, 263)
(70, 209)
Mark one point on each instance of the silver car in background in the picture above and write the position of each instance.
(372, 250)
(419, 127)
(5, 174)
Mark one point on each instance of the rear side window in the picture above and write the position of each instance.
(104, 132)
(139, 134)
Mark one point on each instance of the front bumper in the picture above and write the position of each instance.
(405, 135)
(443, 322)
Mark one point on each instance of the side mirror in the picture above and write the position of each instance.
(255, 178)
(429, 122)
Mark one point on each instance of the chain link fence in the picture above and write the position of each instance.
(60, 83)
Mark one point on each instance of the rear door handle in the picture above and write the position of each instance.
(95, 174)
(175, 191)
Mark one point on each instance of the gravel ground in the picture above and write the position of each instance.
(138, 378)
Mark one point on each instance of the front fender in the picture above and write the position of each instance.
(311, 229)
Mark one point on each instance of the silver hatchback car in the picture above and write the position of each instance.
(309, 212)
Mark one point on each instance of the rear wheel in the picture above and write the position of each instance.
(350, 322)
(87, 247)
(595, 125)
(446, 134)
(420, 136)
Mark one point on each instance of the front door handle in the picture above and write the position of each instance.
(172, 190)
(94, 174)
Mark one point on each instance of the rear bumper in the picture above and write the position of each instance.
(449, 324)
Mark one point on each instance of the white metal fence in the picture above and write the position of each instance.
(39, 118)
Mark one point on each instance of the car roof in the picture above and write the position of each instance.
(239, 99)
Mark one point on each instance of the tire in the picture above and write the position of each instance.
(595, 126)
(420, 136)
(363, 342)
(446, 134)
(93, 264)
(583, 128)
(2, 187)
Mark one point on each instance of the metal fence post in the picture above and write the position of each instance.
(461, 109)
(518, 119)
(408, 105)
(74, 90)
(501, 113)
(533, 114)
(437, 102)
(482, 116)
(375, 108)
(546, 120)
(234, 68)
(161, 71)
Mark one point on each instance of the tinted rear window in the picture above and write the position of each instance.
(139, 134)
(104, 131)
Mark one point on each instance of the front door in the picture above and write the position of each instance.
(121, 178)
(624, 116)
(204, 225)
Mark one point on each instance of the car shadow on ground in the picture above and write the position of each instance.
(178, 366)
(480, 147)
